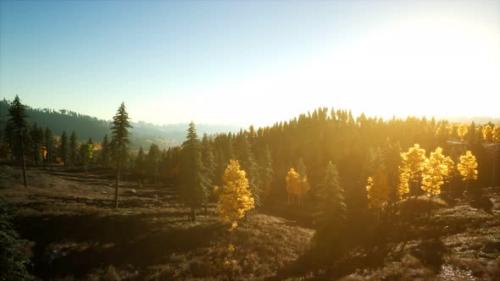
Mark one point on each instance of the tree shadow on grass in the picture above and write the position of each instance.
(107, 240)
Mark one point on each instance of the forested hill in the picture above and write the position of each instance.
(143, 134)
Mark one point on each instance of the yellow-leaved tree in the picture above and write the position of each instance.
(487, 131)
(296, 186)
(462, 131)
(496, 133)
(410, 170)
(235, 198)
(467, 167)
(435, 172)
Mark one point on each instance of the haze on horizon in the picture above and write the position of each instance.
(255, 62)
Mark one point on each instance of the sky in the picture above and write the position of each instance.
(252, 62)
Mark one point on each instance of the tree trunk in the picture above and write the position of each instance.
(25, 178)
(116, 186)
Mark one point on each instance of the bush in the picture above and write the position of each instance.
(13, 260)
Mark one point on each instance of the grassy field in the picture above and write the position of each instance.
(72, 232)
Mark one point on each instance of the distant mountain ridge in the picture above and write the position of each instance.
(143, 133)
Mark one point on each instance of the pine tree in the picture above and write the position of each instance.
(140, 165)
(36, 137)
(331, 216)
(63, 148)
(73, 147)
(17, 132)
(192, 186)
(378, 188)
(87, 153)
(208, 160)
(235, 198)
(119, 143)
(248, 163)
(49, 144)
(152, 162)
(266, 172)
(332, 207)
(105, 154)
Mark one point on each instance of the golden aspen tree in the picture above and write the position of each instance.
(467, 166)
(487, 131)
(235, 198)
(411, 168)
(296, 186)
(450, 164)
(434, 172)
(496, 133)
(462, 131)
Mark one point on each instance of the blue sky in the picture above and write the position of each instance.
(244, 62)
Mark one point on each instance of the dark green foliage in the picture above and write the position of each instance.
(152, 163)
(73, 149)
(16, 131)
(13, 260)
(246, 158)
(266, 173)
(63, 148)
(119, 144)
(105, 154)
(208, 160)
(49, 145)
(139, 165)
(192, 187)
(36, 139)
(331, 216)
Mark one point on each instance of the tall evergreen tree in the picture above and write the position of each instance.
(119, 143)
(63, 148)
(73, 149)
(49, 145)
(36, 137)
(140, 166)
(208, 160)
(17, 130)
(266, 172)
(153, 162)
(331, 216)
(192, 183)
(245, 155)
(105, 154)
(332, 207)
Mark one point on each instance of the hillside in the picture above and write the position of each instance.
(143, 134)
(72, 233)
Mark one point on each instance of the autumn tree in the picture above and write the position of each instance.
(235, 197)
(462, 131)
(410, 170)
(467, 167)
(296, 187)
(17, 133)
(435, 172)
(246, 157)
(192, 188)
(119, 143)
